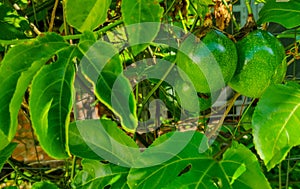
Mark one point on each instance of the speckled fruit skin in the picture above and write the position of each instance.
(209, 63)
(260, 63)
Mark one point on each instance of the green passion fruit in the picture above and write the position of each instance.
(260, 63)
(209, 63)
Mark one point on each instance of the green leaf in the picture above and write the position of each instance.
(239, 171)
(285, 13)
(6, 153)
(292, 33)
(102, 139)
(51, 103)
(192, 169)
(100, 175)
(44, 184)
(12, 25)
(142, 22)
(87, 39)
(243, 168)
(102, 67)
(17, 69)
(276, 123)
(86, 15)
(77, 143)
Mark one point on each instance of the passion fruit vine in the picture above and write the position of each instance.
(209, 63)
(260, 63)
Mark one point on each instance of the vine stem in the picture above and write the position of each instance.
(15, 168)
(53, 16)
(154, 89)
(279, 176)
(67, 37)
(214, 130)
(249, 9)
(73, 170)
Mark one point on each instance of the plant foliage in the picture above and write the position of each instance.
(98, 81)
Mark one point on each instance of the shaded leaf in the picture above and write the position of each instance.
(44, 184)
(96, 174)
(142, 21)
(102, 67)
(86, 15)
(104, 141)
(276, 123)
(51, 103)
(204, 172)
(286, 13)
(292, 33)
(17, 69)
(6, 153)
(12, 25)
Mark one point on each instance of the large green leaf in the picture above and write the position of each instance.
(192, 169)
(86, 15)
(102, 66)
(142, 21)
(51, 103)
(102, 139)
(276, 122)
(6, 153)
(100, 175)
(286, 13)
(17, 69)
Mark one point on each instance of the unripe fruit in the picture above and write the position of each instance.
(209, 63)
(260, 63)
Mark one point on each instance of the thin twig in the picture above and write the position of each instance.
(16, 169)
(53, 16)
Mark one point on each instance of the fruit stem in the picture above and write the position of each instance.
(237, 27)
(247, 2)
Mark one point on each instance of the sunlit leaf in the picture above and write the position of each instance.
(17, 69)
(102, 67)
(276, 123)
(192, 169)
(86, 15)
(51, 103)
(286, 13)
(102, 139)
(96, 174)
(142, 21)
